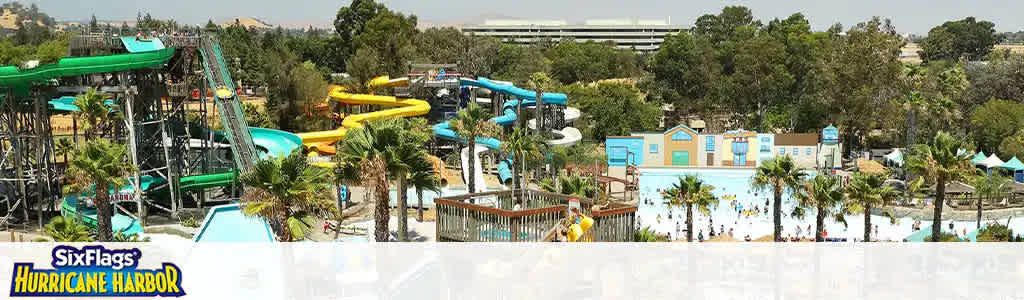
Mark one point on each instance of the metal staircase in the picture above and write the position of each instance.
(231, 116)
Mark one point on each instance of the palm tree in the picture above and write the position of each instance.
(913, 187)
(523, 148)
(471, 123)
(62, 229)
(777, 174)
(63, 146)
(825, 196)
(411, 160)
(371, 156)
(988, 187)
(422, 177)
(690, 191)
(94, 112)
(539, 82)
(868, 191)
(941, 161)
(288, 193)
(571, 185)
(647, 235)
(101, 165)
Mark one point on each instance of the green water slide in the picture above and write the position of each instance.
(205, 181)
(231, 115)
(12, 76)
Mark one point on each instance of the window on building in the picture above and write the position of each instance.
(654, 148)
(681, 136)
(808, 150)
(782, 151)
(796, 151)
(709, 144)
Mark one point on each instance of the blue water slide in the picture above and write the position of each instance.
(508, 117)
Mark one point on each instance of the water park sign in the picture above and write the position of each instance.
(739, 134)
(95, 271)
(830, 135)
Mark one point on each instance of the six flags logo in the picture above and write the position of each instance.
(97, 272)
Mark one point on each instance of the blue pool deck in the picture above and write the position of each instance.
(226, 223)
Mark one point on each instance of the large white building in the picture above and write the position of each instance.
(635, 34)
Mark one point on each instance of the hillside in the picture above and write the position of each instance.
(13, 14)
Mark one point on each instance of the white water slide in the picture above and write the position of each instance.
(478, 171)
(569, 135)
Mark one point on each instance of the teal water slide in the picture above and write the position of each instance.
(508, 117)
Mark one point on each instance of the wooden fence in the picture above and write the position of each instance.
(491, 217)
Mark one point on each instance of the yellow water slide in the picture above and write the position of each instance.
(322, 142)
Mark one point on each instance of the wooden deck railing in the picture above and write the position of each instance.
(489, 217)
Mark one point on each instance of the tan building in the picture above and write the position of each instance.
(740, 148)
(681, 146)
(802, 147)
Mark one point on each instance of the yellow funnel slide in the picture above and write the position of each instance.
(323, 141)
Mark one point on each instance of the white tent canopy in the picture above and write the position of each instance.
(896, 157)
(991, 162)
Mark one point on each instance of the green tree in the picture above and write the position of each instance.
(998, 79)
(98, 165)
(63, 146)
(209, 25)
(968, 38)
(515, 63)
(995, 232)
(365, 65)
(866, 67)
(648, 235)
(469, 124)
(778, 175)
(350, 21)
(411, 163)
(614, 108)
(689, 192)
(369, 156)
(289, 193)
(257, 116)
(391, 35)
(867, 192)
(941, 161)
(590, 61)
(523, 147)
(989, 187)
(1013, 146)
(690, 74)
(824, 195)
(96, 115)
(761, 78)
(422, 178)
(994, 121)
(67, 230)
(573, 185)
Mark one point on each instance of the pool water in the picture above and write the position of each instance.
(226, 223)
(736, 183)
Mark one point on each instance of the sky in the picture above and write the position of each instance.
(911, 16)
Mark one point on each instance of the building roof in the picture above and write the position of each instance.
(978, 157)
(1013, 164)
(868, 166)
(796, 139)
(992, 161)
(957, 187)
(678, 126)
